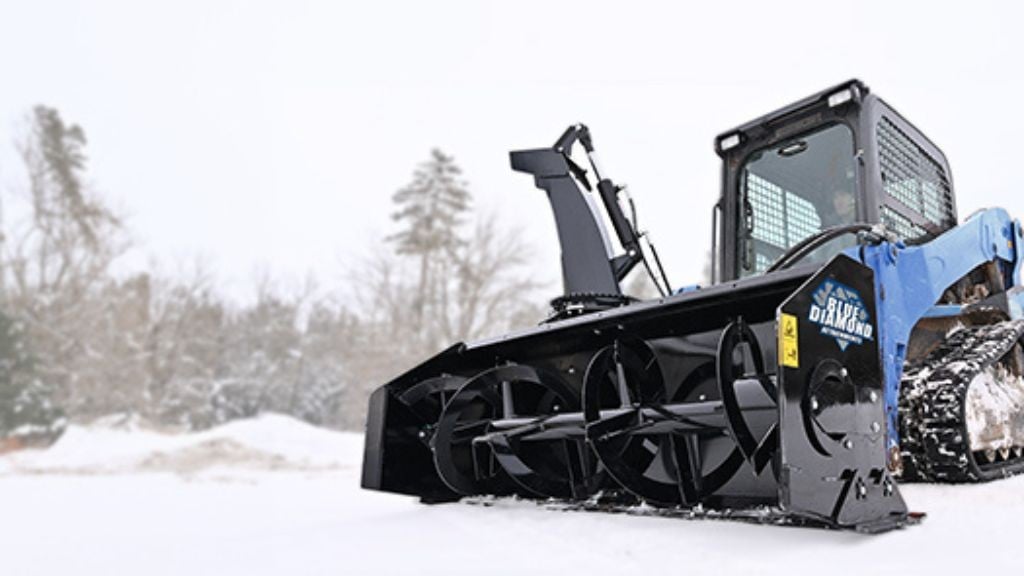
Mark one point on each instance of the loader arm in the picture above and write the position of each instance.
(910, 280)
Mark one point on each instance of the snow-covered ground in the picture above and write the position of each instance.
(274, 496)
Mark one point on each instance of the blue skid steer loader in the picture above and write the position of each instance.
(854, 334)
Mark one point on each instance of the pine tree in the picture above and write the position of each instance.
(27, 413)
(431, 207)
(431, 210)
(56, 267)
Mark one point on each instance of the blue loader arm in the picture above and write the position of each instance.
(910, 280)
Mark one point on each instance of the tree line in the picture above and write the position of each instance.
(78, 342)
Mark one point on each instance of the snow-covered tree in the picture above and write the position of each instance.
(27, 412)
(55, 263)
(322, 373)
(430, 211)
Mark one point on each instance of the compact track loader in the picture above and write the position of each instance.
(854, 334)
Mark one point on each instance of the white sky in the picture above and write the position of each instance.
(271, 135)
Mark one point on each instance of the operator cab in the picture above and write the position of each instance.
(798, 180)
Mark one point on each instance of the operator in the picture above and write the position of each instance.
(844, 209)
(840, 210)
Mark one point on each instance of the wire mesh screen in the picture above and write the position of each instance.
(781, 218)
(900, 225)
(913, 178)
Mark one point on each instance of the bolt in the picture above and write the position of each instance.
(875, 427)
(814, 403)
(556, 408)
(843, 372)
(873, 396)
(887, 488)
(862, 490)
(702, 397)
(571, 370)
(848, 444)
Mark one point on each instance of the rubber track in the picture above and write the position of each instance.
(933, 433)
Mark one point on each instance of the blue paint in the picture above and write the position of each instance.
(944, 311)
(1018, 241)
(687, 289)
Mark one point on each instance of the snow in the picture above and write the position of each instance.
(275, 496)
(271, 441)
(993, 408)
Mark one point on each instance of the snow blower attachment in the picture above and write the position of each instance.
(672, 404)
(773, 395)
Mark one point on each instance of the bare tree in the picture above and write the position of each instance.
(490, 290)
(482, 288)
(185, 344)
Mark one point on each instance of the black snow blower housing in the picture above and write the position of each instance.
(727, 400)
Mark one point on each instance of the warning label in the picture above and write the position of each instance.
(789, 344)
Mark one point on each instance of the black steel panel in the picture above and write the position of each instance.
(831, 412)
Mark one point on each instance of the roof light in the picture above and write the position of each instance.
(729, 142)
(841, 97)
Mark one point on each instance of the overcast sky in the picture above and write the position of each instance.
(271, 135)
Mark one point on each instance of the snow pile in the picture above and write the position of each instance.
(270, 442)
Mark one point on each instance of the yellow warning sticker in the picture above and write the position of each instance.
(789, 344)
